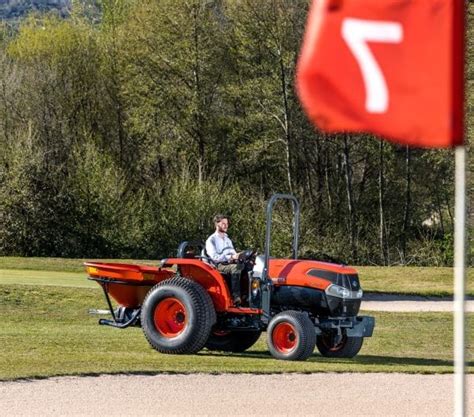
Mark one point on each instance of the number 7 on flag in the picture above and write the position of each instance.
(357, 33)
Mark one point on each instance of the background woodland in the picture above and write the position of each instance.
(126, 125)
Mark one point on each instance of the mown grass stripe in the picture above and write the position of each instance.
(426, 281)
(47, 331)
(45, 278)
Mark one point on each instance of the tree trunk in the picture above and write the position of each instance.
(286, 120)
(406, 214)
(199, 121)
(440, 211)
(320, 173)
(382, 237)
(350, 200)
(327, 176)
(363, 180)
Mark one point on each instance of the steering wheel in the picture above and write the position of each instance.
(246, 256)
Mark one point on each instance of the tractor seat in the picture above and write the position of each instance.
(206, 258)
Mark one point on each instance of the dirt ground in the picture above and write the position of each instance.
(233, 395)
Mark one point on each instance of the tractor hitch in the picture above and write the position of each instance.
(122, 318)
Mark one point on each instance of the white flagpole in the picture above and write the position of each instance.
(459, 282)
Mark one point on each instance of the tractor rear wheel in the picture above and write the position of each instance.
(177, 316)
(346, 347)
(232, 341)
(291, 336)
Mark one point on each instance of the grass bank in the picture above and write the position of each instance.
(426, 281)
(58, 264)
(429, 281)
(47, 331)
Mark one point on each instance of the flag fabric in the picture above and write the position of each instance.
(393, 68)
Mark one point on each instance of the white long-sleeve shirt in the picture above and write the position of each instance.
(219, 247)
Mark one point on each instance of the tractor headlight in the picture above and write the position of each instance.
(255, 287)
(338, 291)
(341, 292)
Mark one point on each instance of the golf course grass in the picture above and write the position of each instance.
(46, 331)
(426, 281)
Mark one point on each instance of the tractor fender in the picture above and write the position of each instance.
(204, 274)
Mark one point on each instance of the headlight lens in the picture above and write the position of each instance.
(341, 292)
(255, 287)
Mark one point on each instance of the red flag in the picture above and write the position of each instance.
(392, 67)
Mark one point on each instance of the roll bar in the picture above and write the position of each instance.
(296, 221)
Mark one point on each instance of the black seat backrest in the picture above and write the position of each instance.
(190, 249)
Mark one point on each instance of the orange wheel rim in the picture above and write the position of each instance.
(170, 317)
(284, 337)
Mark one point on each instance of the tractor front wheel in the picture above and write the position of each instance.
(177, 316)
(232, 341)
(291, 336)
(343, 346)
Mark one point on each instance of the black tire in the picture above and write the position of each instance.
(348, 347)
(291, 336)
(177, 316)
(232, 341)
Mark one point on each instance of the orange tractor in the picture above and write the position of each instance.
(184, 304)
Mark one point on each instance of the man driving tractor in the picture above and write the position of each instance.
(220, 249)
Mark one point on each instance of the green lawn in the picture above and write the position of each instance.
(402, 280)
(51, 278)
(46, 331)
(427, 281)
(57, 264)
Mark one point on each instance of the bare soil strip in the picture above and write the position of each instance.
(232, 395)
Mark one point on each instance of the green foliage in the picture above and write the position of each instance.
(104, 223)
(123, 133)
(184, 209)
(19, 161)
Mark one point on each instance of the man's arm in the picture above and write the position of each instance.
(232, 253)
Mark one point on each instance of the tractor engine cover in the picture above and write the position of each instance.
(286, 295)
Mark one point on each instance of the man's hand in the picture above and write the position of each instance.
(235, 256)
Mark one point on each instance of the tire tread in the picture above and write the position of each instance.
(351, 348)
(205, 313)
(307, 335)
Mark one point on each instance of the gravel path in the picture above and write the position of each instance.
(408, 303)
(232, 395)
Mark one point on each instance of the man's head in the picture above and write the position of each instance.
(221, 222)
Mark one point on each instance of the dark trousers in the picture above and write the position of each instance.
(234, 270)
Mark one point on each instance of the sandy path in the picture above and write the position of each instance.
(231, 395)
(407, 303)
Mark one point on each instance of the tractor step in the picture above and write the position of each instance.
(244, 310)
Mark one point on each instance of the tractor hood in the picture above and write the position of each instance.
(306, 273)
